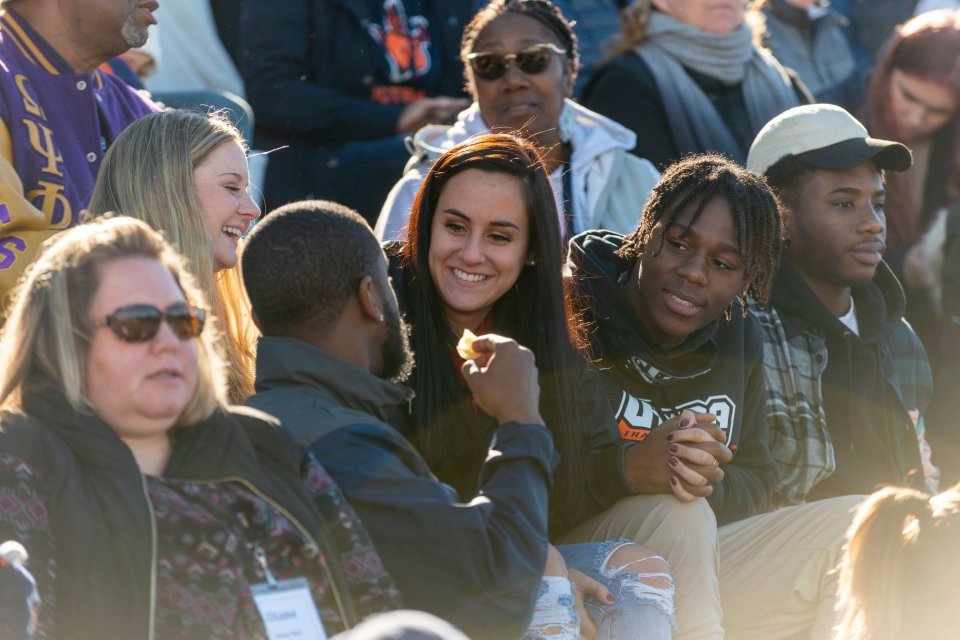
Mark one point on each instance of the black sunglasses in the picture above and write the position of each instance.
(531, 60)
(141, 322)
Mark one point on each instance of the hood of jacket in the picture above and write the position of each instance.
(592, 134)
(291, 365)
(616, 337)
(880, 304)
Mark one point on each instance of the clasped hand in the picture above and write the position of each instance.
(682, 455)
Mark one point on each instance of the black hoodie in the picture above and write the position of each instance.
(874, 441)
(717, 369)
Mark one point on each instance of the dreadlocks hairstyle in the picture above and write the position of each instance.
(542, 11)
(533, 312)
(756, 213)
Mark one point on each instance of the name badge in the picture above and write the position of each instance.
(288, 611)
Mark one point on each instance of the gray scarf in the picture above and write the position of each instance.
(732, 58)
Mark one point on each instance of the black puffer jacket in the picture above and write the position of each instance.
(84, 514)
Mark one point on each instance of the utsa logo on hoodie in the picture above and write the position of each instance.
(717, 369)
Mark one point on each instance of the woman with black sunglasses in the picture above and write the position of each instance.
(149, 508)
(521, 60)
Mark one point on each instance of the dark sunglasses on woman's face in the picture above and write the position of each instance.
(141, 322)
(531, 60)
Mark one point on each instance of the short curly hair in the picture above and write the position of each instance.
(303, 263)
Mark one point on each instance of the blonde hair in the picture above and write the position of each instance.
(634, 19)
(48, 331)
(148, 173)
(900, 575)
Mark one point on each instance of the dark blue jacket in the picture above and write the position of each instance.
(478, 564)
(595, 22)
(309, 67)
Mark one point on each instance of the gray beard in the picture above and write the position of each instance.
(131, 34)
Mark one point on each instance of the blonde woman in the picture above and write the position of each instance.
(147, 506)
(901, 573)
(689, 77)
(185, 174)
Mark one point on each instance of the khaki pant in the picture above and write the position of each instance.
(772, 572)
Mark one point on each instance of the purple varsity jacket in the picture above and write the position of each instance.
(55, 126)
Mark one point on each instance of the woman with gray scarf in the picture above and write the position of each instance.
(689, 78)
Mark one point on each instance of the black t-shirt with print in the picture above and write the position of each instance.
(406, 30)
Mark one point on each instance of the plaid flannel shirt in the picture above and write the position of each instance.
(799, 438)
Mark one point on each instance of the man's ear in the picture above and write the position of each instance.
(371, 304)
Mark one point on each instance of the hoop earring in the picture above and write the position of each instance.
(566, 123)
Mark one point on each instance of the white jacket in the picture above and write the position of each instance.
(610, 185)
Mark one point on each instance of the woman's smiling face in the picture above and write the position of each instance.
(221, 182)
(479, 241)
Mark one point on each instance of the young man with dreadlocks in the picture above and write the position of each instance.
(682, 365)
(847, 379)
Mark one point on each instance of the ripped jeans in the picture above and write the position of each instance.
(644, 600)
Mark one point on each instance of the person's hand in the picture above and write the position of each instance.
(427, 111)
(917, 273)
(697, 451)
(652, 466)
(587, 587)
(19, 602)
(504, 380)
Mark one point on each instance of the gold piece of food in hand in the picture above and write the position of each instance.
(465, 346)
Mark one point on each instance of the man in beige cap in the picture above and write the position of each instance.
(847, 379)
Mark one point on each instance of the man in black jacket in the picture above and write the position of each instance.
(332, 342)
(681, 357)
(847, 379)
(337, 84)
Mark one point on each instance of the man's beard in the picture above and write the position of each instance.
(397, 358)
(132, 34)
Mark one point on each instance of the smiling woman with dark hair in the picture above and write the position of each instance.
(482, 255)
(521, 61)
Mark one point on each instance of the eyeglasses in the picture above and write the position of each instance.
(141, 322)
(531, 60)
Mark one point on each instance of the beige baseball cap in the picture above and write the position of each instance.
(825, 136)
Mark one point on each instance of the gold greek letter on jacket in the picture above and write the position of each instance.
(41, 139)
(29, 103)
(46, 197)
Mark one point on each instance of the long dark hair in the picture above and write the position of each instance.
(533, 312)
